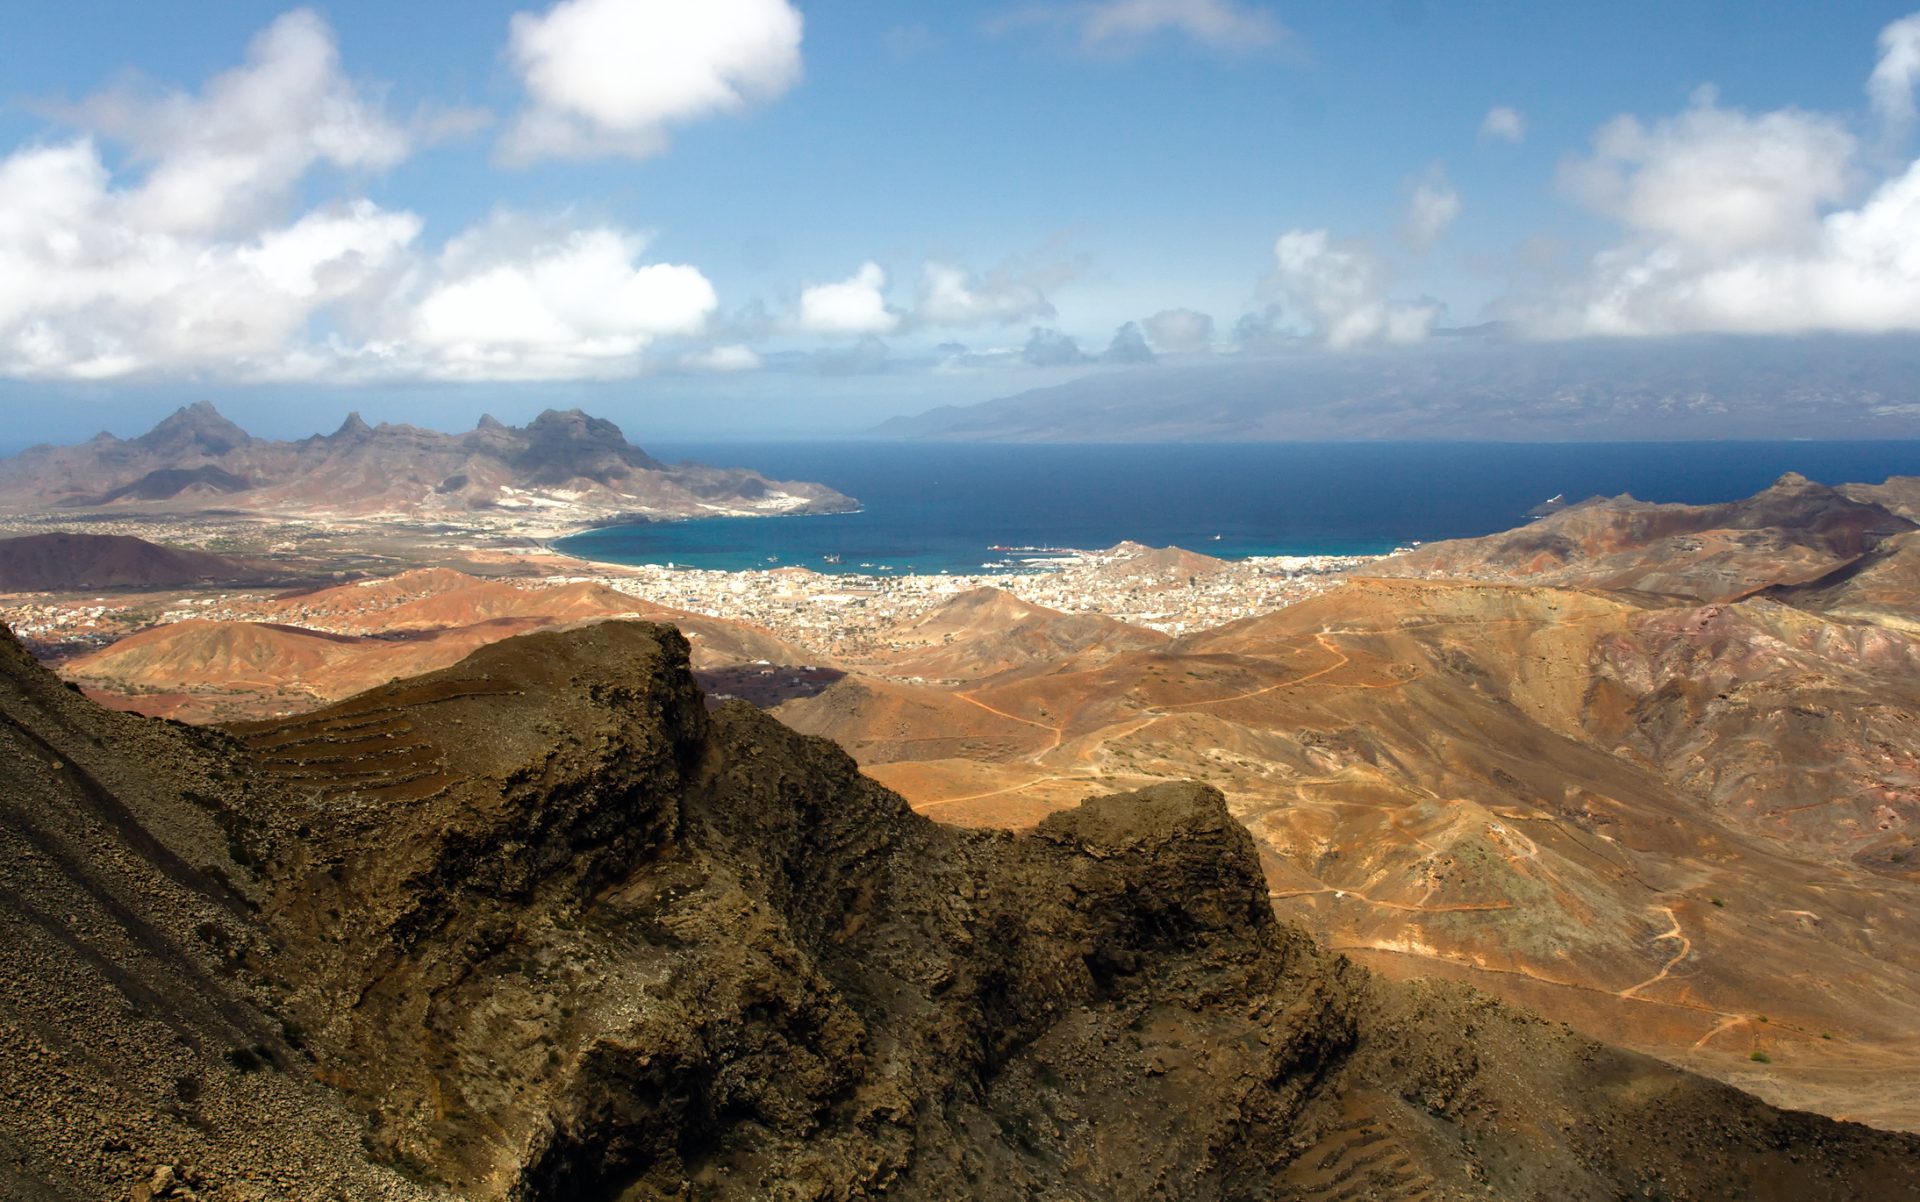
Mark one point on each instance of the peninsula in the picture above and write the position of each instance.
(561, 473)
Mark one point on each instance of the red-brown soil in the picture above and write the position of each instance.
(1691, 828)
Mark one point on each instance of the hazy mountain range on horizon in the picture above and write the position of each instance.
(568, 468)
(1476, 388)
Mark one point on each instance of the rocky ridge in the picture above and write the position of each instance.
(566, 470)
(549, 929)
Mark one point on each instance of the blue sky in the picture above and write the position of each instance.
(753, 217)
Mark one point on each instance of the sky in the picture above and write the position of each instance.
(774, 218)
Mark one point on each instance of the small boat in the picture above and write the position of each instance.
(830, 558)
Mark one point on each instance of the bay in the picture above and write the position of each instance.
(933, 507)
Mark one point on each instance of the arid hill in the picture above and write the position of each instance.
(984, 631)
(538, 927)
(1691, 828)
(1793, 532)
(46, 563)
(304, 649)
(567, 470)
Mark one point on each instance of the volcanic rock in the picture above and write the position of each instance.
(552, 931)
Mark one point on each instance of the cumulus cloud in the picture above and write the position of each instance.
(1179, 331)
(951, 296)
(1890, 87)
(857, 305)
(1129, 346)
(1718, 179)
(1743, 222)
(511, 300)
(1504, 124)
(1431, 209)
(1341, 291)
(1050, 348)
(234, 153)
(1264, 331)
(191, 266)
(612, 76)
(1857, 269)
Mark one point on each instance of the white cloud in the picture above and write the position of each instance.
(730, 357)
(1504, 124)
(1431, 209)
(233, 154)
(851, 306)
(1890, 87)
(951, 296)
(511, 301)
(1718, 180)
(193, 269)
(1859, 271)
(611, 76)
(1179, 331)
(1222, 24)
(1746, 223)
(1341, 290)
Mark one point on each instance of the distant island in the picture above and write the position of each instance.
(1480, 389)
(564, 471)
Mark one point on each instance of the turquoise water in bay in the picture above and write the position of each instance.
(933, 507)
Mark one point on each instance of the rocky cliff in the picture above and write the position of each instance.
(539, 927)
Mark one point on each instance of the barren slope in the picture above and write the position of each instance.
(314, 647)
(1543, 790)
(1793, 532)
(554, 932)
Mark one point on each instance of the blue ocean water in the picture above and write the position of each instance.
(932, 507)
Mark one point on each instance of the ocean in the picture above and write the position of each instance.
(934, 507)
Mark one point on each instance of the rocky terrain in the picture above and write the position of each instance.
(539, 926)
(564, 471)
(1792, 533)
(1652, 773)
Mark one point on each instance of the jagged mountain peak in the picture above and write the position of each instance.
(354, 427)
(573, 468)
(196, 427)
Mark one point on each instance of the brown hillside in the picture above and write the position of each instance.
(537, 927)
(1541, 790)
(52, 563)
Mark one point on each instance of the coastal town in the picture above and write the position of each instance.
(831, 615)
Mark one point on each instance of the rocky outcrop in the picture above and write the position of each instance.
(553, 931)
